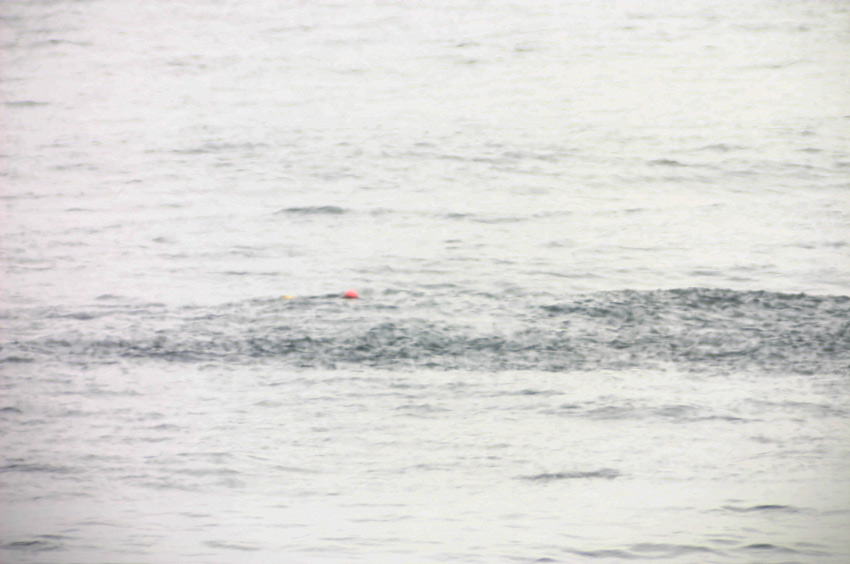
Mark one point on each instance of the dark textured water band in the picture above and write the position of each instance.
(690, 328)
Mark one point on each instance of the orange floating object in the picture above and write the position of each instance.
(350, 295)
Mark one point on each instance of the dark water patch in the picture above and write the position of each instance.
(476, 218)
(654, 550)
(777, 65)
(54, 42)
(721, 148)
(566, 275)
(692, 329)
(313, 210)
(762, 508)
(203, 472)
(227, 545)
(498, 220)
(717, 326)
(269, 403)
(106, 392)
(29, 468)
(614, 412)
(558, 214)
(799, 549)
(166, 427)
(766, 440)
(530, 392)
(666, 162)
(80, 315)
(643, 551)
(604, 473)
(294, 470)
(539, 156)
(16, 359)
(767, 547)
(604, 553)
(26, 104)
(707, 273)
(249, 272)
(34, 545)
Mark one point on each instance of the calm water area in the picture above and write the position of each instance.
(601, 250)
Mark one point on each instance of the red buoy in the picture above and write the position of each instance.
(350, 295)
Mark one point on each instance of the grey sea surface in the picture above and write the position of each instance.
(602, 252)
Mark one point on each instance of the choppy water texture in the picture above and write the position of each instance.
(601, 249)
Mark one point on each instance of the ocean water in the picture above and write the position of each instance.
(602, 252)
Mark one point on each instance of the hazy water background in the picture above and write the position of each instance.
(602, 251)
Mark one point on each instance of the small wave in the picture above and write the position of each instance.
(666, 162)
(721, 147)
(35, 468)
(81, 315)
(767, 547)
(490, 220)
(34, 545)
(231, 546)
(662, 550)
(762, 508)
(313, 210)
(605, 473)
(26, 104)
(642, 551)
(17, 359)
(610, 553)
(672, 413)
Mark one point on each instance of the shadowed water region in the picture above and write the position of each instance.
(600, 250)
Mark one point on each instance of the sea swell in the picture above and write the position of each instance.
(692, 329)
